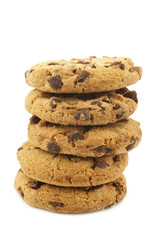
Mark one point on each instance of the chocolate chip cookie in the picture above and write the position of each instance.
(82, 109)
(69, 200)
(68, 170)
(95, 141)
(83, 75)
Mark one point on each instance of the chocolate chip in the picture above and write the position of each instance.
(121, 65)
(98, 103)
(21, 192)
(118, 187)
(56, 204)
(34, 120)
(137, 69)
(132, 95)
(107, 100)
(53, 103)
(56, 82)
(66, 107)
(120, 115)
(31, 70)
(53, 63)
(130, 146)
(74, 71)
(35, 184)
(19, 149)
(103, 110)
(101, 164)
(85, 112)
(53, 147)
(76, 136)
(93, 66)
(121, 91)
(84, 62)
(88, 146)
(82, 76)
(103, 149)
(117, 106)
(116, 158)
(112, 64)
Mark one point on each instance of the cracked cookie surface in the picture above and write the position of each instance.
(78, 109)
(83, 75)
(68, 170)
(95, 141)
(69, 200)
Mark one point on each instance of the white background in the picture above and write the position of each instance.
(35, 31)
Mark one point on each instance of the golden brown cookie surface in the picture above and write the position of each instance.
(67, 170)
(82, 109)
(83, 75)
(70, 200)
(116, 138)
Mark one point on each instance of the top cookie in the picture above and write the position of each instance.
(83, 75)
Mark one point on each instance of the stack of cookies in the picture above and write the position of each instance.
(79, 135)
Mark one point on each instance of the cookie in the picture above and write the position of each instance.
(69, 200)
(68, 170)
(82, 109)
(97, 141)
(83, 75)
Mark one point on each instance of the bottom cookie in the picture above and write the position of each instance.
(69, 199)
